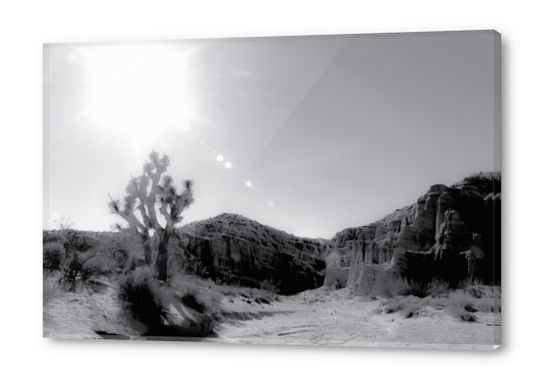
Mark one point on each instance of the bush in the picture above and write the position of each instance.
(270, 286)
(461, 305)
(226, 279)
(474, 287)
(409, 305)
(434, 288)
(76, 268)
(192, 266)
(140, 297)
(53, 255)
(120, 256)
(200, 295)
(401, 287)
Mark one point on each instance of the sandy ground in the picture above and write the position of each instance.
(316, 317)
(320, 317)
(79, 315)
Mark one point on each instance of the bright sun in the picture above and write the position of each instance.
(137, 88)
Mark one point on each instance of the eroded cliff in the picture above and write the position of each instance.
(425, 239)
(231, 244)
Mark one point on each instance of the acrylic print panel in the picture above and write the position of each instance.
(322, 190)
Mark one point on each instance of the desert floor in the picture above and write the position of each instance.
(335, 318)
(315, 317)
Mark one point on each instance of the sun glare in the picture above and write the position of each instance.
(137, 88)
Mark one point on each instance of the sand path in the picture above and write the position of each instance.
(335, 318)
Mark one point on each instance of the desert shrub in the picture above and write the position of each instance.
(104, 262)
(77, 269)
(474, 287)
(133, 262)
(421, 289)
(192, 266)
(409, 306)
(263, 300)
(460, 312)
(200, 295)
(53, 255)
(227, 278)
(461, 305)
(401, 287)
(140, 297)
(120, 256)
(270, 286)
(438, 288)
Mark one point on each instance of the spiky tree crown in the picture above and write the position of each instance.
(144, 192)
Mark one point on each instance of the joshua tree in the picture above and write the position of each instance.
(144, 196)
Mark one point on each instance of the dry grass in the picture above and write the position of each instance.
(202, 295)
(394, 287)
(53, 255)
(462, 304)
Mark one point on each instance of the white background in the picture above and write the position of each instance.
(25, 26)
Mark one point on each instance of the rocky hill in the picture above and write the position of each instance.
(231, 244)
(446, 219)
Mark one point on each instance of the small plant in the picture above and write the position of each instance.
(75, 268)
(192, 266)
(474, 287)
(461, 305)
(410, 306)
(394, 287)
(226, 279)
(120, 256)
(53, 255)
(433, 288)
(270, 286)
(460, 312)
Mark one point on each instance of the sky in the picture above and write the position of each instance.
(309, 135)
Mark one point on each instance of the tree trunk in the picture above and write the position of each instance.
(163, 256)
(147, 252)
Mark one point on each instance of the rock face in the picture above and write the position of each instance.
(425, 240)
(231, 244)
(338, 276)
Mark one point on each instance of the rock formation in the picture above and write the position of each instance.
(425, 240)
(252, 252)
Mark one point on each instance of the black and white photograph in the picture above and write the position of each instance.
(323, 190)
